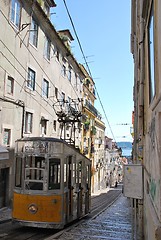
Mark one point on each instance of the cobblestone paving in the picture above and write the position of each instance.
(115, 223)
(5, 214)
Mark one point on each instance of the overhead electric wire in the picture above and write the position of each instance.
(20, 84)
(70, 82)
(81, 48)
(76, 36)
(35, 61)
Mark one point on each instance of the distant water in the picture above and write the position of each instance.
(126, 148)
(126, 152)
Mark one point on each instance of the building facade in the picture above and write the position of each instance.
(39, 78)
(99, 155)
(93, 133)
(145, 47)
(43, 90)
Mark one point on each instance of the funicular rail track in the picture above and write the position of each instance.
(104, 200)
(99, 204)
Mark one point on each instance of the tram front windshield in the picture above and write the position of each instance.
(34, 172)
(38, 175)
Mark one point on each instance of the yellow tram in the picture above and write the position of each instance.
(52, 183)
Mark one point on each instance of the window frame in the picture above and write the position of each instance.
(30, 79)
(34, 173)
(54, 166)
(70, 73)
(54, 125)
(47, 49)
(45, 88)
(63, 98)
(33, 39)
(151, 55)
(64, 70)
(76, 81)
(56, 92)
(28, 122)
(43, 127)
(7, 140)
(10, 87)
(15, 13)
(57, 54)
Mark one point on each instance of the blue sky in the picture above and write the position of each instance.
(103, 28)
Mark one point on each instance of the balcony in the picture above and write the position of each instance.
(92, 109)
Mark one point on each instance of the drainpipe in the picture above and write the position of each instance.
(23, 117)
(140, 230)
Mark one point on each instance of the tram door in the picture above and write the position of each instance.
(87, 192)
(70, 188)
(75, 198)
(79, 197)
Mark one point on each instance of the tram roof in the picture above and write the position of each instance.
(49, 139)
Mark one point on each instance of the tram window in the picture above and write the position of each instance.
(34, 168)
(54, 173)
(34, 185)
(38, 162)
(76, 175)
(74, 170)
(34, 172)
(18, 172)
(87, 173)
(65, 174)
(80, 172)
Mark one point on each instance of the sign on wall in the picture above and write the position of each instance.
(133, 181)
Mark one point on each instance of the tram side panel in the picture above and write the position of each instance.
(52, 187)
(76, 185)
(37, 209)
(72, 185)
(84, 185)
(68, 185)
(34, 203)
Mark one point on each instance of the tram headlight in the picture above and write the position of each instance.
(33, 208)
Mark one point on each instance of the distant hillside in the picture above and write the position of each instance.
(124, 145)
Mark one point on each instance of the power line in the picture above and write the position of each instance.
(79, 43)
(70, 82)
(77, 36)
(20, 84)
(39, 65)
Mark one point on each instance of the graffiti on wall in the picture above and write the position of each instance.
(153, 187)
(152, 133)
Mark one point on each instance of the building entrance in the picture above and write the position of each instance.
(3, 186)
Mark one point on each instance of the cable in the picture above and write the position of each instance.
(20, 84)
(79, 43)
(46, 73)
(18, 70)
(106, 117)
(76, 35)
(35, 61)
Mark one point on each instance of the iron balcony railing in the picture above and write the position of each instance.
(90, 107)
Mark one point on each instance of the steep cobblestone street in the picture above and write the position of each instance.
(115, 223)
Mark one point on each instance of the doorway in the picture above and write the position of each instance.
(3, 186)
